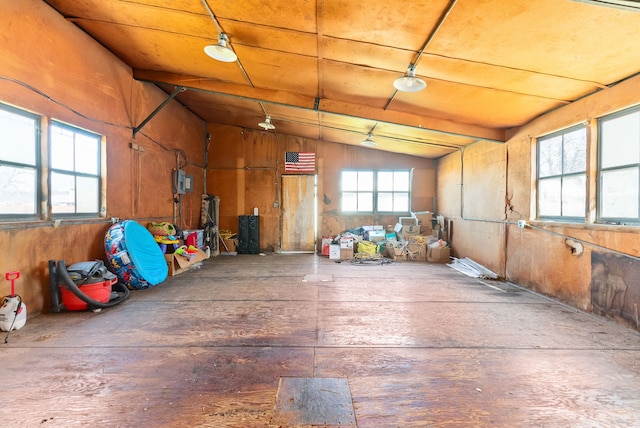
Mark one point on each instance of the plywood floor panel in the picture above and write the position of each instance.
(146, 387)
(483, 387)
(420, 290)
(418, 344)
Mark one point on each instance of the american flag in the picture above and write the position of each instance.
(299, 162)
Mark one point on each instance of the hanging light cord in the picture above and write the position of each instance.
(220, 31)
(431, 36)
(244, 72)
(213, 17)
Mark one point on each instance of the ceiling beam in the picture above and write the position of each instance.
(329, 106)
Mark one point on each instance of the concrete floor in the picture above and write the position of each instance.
(299, 340)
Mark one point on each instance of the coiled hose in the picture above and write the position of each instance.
(62, 276)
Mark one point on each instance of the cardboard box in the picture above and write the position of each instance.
(416, 251)
(424, 218)
(409, 231)
(334, 252)
(346, 242)
(396, 252)
(178, 264)
(425, 221)
(230, 245)
(438, 254)
(377, 235)
(346, 253)
(407, 221)
(346, 247)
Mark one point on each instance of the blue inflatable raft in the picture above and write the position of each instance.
(134, 255)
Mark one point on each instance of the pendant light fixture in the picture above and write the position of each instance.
(221, 51)
(410, 83)
(267, 125)
(369, 142)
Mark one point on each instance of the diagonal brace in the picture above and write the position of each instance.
(175, 92)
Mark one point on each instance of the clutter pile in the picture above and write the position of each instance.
(414, 238)
(183, 249)
(229, 242)
(165, 234)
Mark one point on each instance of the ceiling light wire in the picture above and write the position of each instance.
(368, 142)
(221, 31)
(242, 69)
(430, 38)
(267, 125)
(213, 17)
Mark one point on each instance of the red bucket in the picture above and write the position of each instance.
(99, 291)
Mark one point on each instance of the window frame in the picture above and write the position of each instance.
(376, 191)
(75, 173)
(43, 129)
(562, 175)
(600, 170)
(37, 167)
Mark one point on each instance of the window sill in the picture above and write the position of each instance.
(585, 226)
(32, 224)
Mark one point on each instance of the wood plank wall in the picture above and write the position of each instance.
(499, 189)
(86, 86)
(245, 169)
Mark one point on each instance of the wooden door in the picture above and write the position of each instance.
(298, 213)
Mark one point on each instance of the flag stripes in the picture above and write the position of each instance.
(299, 162)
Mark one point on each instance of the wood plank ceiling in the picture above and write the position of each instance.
(324, 69)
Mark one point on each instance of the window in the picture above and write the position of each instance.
(19, 154)
(74, 169)
(376, 191)
(619, 168)
(562, 178)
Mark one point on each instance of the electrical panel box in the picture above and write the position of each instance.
(188, 183)
(182, 182)
(179, 182)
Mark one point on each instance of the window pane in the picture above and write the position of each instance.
(574, 191)
(401, 181)
(63, 193)
(401, 202)
(18, 138)
(87, 195)
(62, 155)
(550, 162)
(349, 201)
(549, 197)
(18, 194)
(620, 193)
(365, 181)
(385, 201)
(365, 201)
(349, 180)
(385, 181)
(87, 154)
(376, 191)
(620, 137)
(575, 151)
